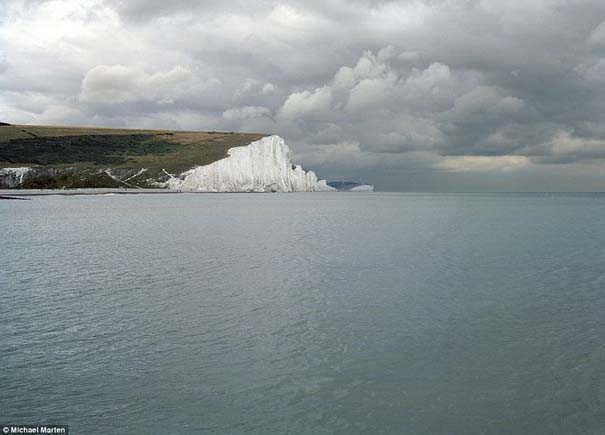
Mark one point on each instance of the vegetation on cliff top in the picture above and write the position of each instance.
(25, 145)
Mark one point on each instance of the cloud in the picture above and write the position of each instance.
(4, 65)
(247, 112)
(268, 89)
(484, 103)
(597, 37)
(308, 104)
(121, 84)
(368, 94)
(567, 148)
(483, 163)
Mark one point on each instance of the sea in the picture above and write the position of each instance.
(307, 313)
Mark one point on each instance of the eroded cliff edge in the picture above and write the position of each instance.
(262, 166)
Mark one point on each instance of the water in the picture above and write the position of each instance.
(304, 313)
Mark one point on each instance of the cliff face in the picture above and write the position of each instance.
(12, 177)
(262, 166)
(73, 177)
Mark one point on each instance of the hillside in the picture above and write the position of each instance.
(25, 145)
(70, 157)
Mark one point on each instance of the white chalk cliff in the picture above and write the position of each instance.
(362, 188)
(12, 177)
(262, 166)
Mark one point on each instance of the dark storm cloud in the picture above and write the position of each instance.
(385, 90)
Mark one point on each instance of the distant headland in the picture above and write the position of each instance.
(52, 157)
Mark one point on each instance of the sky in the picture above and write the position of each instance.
(434, 95)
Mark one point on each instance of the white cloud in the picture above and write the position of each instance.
(307, 104)
(484, 102)
(369, 94)
(122, 84)
(483, 163)
(268, 89)
(564, 144)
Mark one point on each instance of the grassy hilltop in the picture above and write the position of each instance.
(29, 145)
(78, 156)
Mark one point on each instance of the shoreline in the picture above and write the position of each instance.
(16, 193)
(20, 193)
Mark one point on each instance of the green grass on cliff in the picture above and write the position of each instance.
(26, 145)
